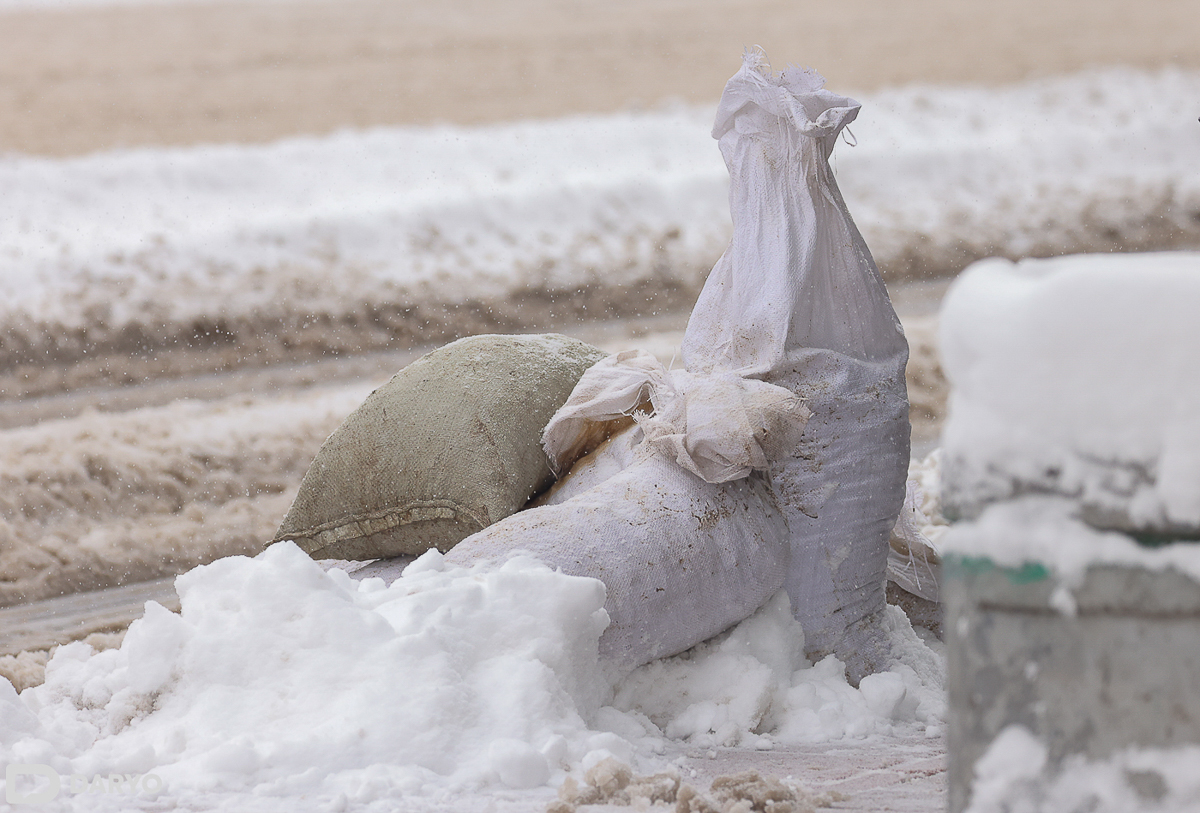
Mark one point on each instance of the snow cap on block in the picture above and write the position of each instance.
(1077, 376)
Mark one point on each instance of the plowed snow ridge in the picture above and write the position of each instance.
(365, 240)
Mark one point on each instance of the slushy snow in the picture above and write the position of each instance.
(107, 498)
(104, 499)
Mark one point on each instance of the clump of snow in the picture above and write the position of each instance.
(28, 668)
(751, 793)
(1010, 779)
(612, 782)
(752, 686)
(1011, 766)
(1077, 376)
(278, 680)
(24, 669)
(1048, 530)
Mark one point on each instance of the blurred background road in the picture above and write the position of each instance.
(79, 78)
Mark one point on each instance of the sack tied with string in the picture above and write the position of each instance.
(797, 308)
(797, 301)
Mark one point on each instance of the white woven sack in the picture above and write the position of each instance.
(913, 562)
(674, 513)
(682, 559)
(797, 301)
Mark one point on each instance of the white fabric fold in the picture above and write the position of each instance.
(717, 425)
(913, 560)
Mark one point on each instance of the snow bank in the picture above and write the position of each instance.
(281, 687)
(1098, 161)
(1077, 377)
(278, 680)
(365, 239)
(139, 250)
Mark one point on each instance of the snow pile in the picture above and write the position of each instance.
(278, 682)
(1161, 780)
(1077, 377)
(753, 687)
(438, 232)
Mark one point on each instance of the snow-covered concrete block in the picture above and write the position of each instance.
(1071, 460)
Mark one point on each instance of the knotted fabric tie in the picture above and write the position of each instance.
(719, 426)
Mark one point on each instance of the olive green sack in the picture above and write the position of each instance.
(450, 445)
